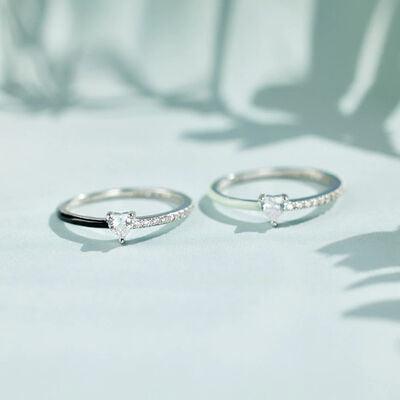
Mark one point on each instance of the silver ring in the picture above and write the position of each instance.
(273, 205)
(120, 223)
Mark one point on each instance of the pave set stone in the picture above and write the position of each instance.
(314, 202)
(122, 223)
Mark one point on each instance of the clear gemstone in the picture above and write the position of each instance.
(273, 206)
(120, 223)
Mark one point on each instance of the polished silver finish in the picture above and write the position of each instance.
(331, 182)
(182, 206)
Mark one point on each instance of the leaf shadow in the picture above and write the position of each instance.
(375, 251)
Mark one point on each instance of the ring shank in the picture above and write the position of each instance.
(183, 206)
(331, 182)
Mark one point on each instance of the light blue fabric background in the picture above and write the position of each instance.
(99, 94)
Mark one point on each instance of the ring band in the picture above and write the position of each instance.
(274, 205)
(120, 223)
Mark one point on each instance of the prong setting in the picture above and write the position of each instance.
(273, 206)
(131, 217)
(120, 223)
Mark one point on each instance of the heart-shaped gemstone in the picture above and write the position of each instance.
(273, 206)
(120, 223)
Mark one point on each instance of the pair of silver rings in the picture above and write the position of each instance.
(271, 205)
